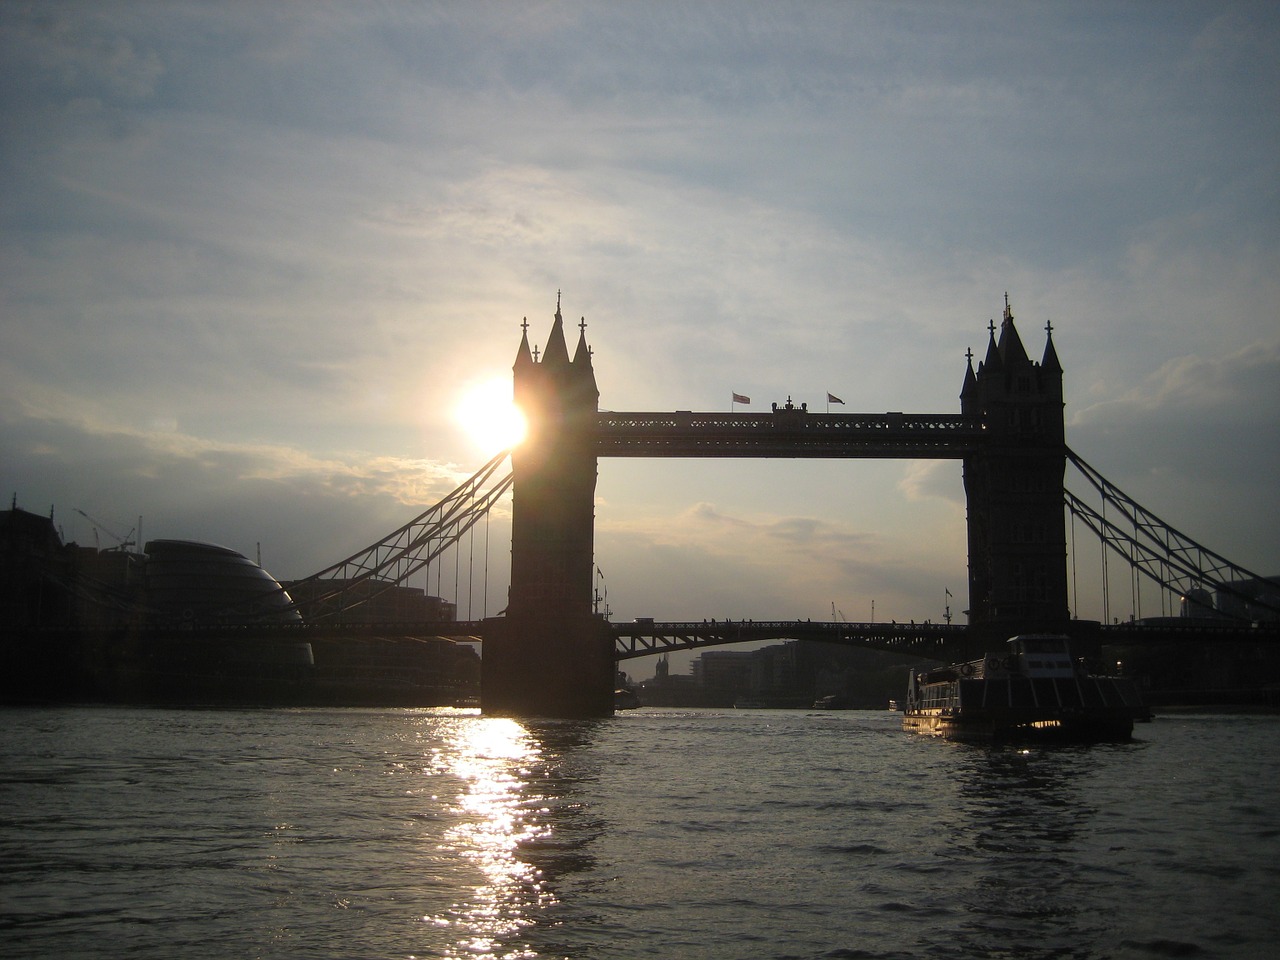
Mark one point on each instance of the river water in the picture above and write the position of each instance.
(658, 833)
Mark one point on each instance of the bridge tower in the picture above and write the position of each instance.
(551, 655)
(1013, 484)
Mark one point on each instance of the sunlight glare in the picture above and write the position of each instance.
(489, 417)
(497, 813)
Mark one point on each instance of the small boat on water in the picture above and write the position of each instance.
(1035, 690)
(624, 698)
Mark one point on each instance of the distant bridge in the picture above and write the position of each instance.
(932, 641)
(643, 638)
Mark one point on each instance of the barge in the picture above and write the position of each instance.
(1033, 690)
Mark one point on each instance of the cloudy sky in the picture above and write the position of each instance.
(253, 256)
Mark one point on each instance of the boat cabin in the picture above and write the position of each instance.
(1036, 655)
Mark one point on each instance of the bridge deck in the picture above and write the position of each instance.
(786, 433)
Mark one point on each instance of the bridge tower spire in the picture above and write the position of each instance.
(551, 655)
(1013, 483)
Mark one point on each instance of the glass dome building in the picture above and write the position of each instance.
(203, 583)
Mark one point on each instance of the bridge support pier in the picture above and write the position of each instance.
(547, 669)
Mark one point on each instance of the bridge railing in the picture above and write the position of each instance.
(1197, 630)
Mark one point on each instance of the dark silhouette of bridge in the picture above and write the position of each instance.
(933, 641)
(551, 653)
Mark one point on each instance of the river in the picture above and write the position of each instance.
(658, 833)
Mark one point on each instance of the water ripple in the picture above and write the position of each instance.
(717, 835)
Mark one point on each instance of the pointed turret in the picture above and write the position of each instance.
(524, 356)
(1012, 352)
(1050, 380)
(582, 355)
(992, 365)
(969, 391)
(1050, 362)
(556, 353)
(583, 370)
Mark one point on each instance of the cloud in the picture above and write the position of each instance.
(1194, 443)
(933, 480)
(233, 493)
(771, 563)
(78, 59)
(1242, 387)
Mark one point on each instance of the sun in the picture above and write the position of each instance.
(489, 417)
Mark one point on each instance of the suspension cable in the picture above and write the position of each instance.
(471, 567)
(369, 573)
(1075, 584)
(1160, 552)
(485, 609)
(1106, 573)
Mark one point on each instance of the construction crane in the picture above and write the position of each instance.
(122, 543)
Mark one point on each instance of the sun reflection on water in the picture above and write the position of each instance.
(497, 812)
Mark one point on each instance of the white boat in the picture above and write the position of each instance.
(1032, 690)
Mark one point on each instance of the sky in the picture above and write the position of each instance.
(253, 257)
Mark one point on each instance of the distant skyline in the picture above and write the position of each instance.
(253, 256)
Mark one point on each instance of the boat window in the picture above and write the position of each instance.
(1044, 645)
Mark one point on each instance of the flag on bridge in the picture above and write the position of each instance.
(739, 398)
(832, 398)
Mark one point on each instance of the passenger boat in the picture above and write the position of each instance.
(1034, 690)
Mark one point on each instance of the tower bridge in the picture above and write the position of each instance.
(550, 653)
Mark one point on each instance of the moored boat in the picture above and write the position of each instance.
(1034, 690)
